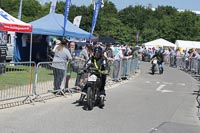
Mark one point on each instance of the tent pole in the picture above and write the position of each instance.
(30, 56)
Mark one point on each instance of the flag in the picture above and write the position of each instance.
(95, 15)
(137, 38)
(53, 6)
(77, 20)
(102, 3)
(20, 10)
(67, 6)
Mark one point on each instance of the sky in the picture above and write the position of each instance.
(121, 4)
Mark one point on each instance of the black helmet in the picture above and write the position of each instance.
(98, 50)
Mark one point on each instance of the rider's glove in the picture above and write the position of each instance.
(106, 72)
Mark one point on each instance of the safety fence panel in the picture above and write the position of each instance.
(111, 69)
(44, 81)
(191, 65)
(125, 68)
(134, 65)
(16, 80)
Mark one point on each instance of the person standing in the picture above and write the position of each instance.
(117, 59)
(61, 57)
(3, 54)
(83, 57)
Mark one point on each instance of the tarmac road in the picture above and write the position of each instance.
(136, 106)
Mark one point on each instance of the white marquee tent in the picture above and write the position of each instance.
(185, 45)
(159, 43)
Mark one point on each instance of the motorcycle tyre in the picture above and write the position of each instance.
(90, 98)
(153, 69)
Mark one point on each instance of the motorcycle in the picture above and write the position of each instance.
(92, 92)
(154, 63)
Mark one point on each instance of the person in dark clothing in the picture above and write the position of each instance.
(99, 62)
(160, 58)
(3, 54)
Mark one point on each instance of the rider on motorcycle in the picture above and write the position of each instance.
(100, 62)
(159, 56)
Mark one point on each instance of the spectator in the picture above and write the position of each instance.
(117, 59)
(109, 55)
(62, 55)
(3, 54)
(83, 57)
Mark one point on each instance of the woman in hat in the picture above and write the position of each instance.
(61, 57)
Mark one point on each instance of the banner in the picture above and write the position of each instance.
(67, 6)
(95, 15)
(102, 3)
(20, 10)
(53, 6)
(137, 38)
(77, 21)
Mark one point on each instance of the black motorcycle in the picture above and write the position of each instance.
(154, 65)
(92, 92)
(154, 68)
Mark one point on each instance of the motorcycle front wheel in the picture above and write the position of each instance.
(153, 69)
(90, 98)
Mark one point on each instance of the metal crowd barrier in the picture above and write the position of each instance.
(191, 65)
(16, 80)
(44, 81)
(127, 68)
(25, 79)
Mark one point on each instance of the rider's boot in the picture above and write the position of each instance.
(81, 99)
(102, 99)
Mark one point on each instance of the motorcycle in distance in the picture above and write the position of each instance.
(155, 63)
(92, 92)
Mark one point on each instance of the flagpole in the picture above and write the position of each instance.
(67, 6)
(95, 15)
(20, 10)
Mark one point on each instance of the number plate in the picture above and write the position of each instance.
(154, 61)
(92, 77)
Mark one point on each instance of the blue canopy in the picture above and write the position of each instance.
(53, 24)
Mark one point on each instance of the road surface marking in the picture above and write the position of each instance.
(182, 84)
(160, 87)
(167, 83)
(163, 91)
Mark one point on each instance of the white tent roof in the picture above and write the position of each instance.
(159, 43)
(187, 44)
(9, 23)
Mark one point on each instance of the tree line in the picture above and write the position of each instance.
(164, 22)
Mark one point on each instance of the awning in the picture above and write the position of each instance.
(10, 23)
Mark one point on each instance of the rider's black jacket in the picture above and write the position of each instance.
(102, 65)
(159, 56)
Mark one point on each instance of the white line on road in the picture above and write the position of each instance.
(160, 87)
(182, 84)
